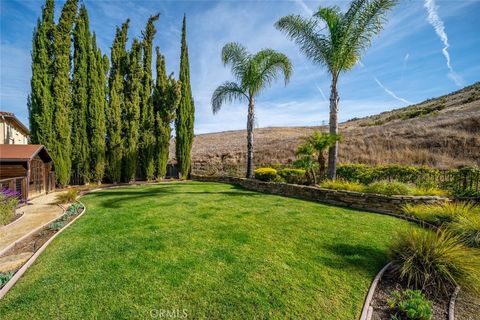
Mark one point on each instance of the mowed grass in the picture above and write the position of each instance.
(205, 250)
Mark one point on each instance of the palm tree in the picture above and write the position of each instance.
(320, 142)
(337, 40)
(306, 160)
(253, 72)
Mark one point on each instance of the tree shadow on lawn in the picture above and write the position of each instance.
(358, 257)
(114, 198)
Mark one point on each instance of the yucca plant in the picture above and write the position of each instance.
(435, 262)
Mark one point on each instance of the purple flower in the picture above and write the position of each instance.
(7, 193)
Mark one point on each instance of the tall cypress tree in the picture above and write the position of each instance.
(96, 110)
(147, 117)
(81, 81)
(166, 97)
(185, 113)
(62, 144)
(131, 114)
(116, 104)
(40, 102)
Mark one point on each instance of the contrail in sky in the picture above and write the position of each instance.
(439, 27)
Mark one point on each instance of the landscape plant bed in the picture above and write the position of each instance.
(383, 293)
(36, 240)
(14, 218)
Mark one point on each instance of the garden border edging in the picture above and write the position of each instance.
(13, 222)
(367, 310)
(37, 253)
(11, 245)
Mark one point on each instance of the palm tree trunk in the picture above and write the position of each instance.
(333, 150)
(321, 165)
(250, 123)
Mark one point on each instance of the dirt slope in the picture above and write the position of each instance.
(443, 132)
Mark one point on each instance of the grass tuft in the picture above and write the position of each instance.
(435, 262)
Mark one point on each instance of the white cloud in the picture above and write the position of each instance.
(434, 19)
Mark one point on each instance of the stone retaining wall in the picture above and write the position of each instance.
(357, 200)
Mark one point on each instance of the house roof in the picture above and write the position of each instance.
(12, 116)
(23, 152)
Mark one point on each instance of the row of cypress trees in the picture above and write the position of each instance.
(106, 119)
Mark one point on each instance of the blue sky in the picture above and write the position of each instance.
(406, 64)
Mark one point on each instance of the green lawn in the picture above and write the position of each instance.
(213, 250)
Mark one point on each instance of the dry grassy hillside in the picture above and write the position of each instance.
(442, 132)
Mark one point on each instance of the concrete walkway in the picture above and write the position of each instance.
(38, 212)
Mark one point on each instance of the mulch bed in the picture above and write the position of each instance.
(467, 306)
(390, 283)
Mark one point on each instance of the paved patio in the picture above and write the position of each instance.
(38, 212)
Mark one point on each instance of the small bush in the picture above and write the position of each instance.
(410, 304)
(435, 262)
(8, 202)
(295, 176)
(342, 185)
(265, 174)
(440, 214)
(56, 225)
(68, 196)
(5, 277)
(389, 188)
(467, 227)
(428, 191)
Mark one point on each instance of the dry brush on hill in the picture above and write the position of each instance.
(442, 132)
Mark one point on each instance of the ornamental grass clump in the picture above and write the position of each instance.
(468, 228)
(67, 197)
(435, 262)
(389, 188)
(440, 214)
(342, 185)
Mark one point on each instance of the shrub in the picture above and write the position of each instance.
(8, 202)
(265, 174)
(4, 277)
(467, 227)
(295, 176)
(410, 304)
(389, 188)
(68, 196)
(439, 214)
(342, 185)
(435, 261)
(57, 225)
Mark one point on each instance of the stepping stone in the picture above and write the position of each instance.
(13, 262)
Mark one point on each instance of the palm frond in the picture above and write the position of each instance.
(304, 32)
(227, 92)
(268, 65)
(237, 56)
(363, 23)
